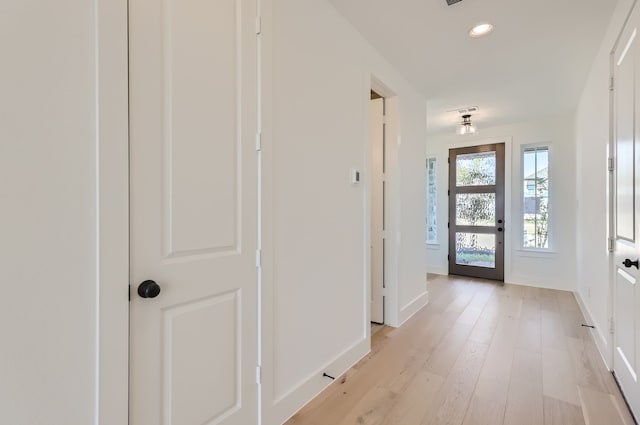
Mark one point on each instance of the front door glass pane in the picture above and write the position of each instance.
(476, 249)
(476, 209)
(476, 169)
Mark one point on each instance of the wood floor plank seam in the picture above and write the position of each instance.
(480, 353)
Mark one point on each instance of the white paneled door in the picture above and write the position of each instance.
(194, 187)
(627, 244)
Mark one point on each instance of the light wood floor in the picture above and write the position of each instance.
(480, 353)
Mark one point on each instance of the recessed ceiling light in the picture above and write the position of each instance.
(480, 30)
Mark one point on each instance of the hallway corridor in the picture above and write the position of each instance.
(480, 353)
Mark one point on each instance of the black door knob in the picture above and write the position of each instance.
(148, 289)
(499, 229)
(628, 263)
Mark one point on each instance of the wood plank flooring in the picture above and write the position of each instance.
(480, 353)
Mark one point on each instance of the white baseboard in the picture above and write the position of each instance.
(599, 334)
(539, 282)
(413, 307)
(443, 270)
(297, 397)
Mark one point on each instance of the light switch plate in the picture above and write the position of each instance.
(355, 176)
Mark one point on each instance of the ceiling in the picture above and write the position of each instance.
(533, 65)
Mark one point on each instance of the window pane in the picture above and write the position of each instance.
(475, 249)
(476, 169)
(536, 197)
(476, 209)
(432, 234)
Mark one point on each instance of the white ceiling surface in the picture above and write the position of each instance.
(533, 65)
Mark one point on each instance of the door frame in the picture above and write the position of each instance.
(391, 132)
(372, 190)
(509, 212)
(480, 272)
(112, 211)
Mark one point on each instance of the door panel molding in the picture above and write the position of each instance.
(214, 364)
(195, 83)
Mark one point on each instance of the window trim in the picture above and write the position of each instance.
(550, 249)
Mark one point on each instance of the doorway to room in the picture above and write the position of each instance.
(377, 181)
(476, 211)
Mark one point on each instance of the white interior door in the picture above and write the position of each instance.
(193, 100)
(377, 210)
(627, 247)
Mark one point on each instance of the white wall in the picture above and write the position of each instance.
(592, 138)
(48, 195)
(317, 76)
(59, 165)
(318, 73)
(553, 269)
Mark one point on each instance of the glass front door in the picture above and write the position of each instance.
(476, 211)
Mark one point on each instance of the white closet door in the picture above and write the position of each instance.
(627, 245)
(193, 102)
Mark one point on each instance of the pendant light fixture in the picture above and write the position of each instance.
(466, 126)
